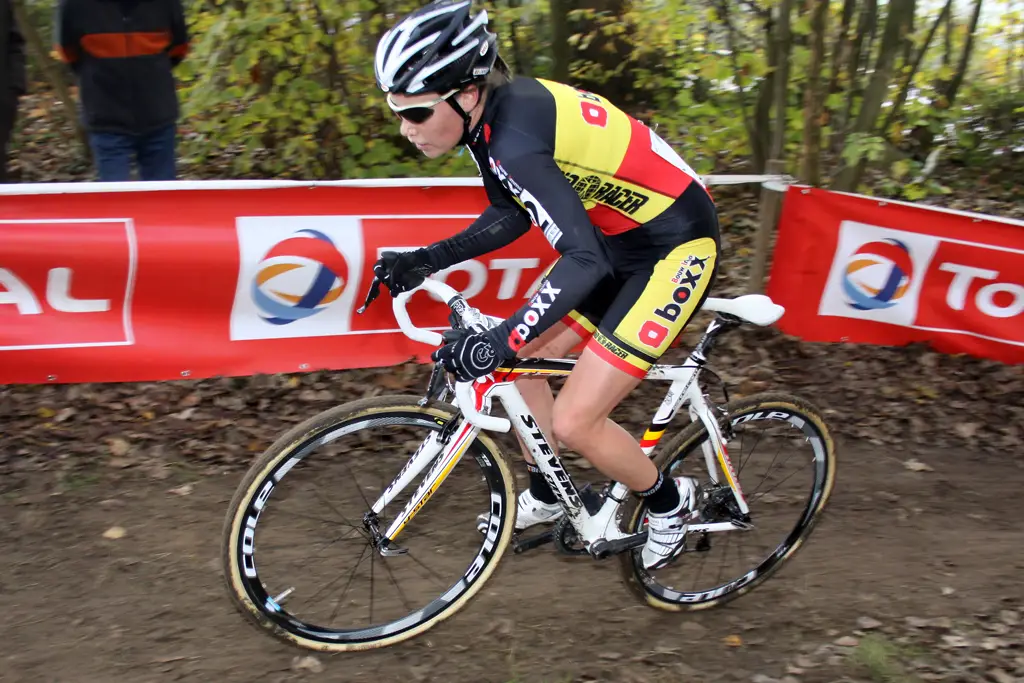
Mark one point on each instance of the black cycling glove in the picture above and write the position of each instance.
(402, 271)
(467, 355)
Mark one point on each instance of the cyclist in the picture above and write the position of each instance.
(636, 230)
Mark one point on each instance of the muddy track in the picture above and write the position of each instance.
(150, 606)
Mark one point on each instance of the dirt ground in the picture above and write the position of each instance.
(150, 606)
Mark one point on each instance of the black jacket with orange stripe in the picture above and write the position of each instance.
(122, 52)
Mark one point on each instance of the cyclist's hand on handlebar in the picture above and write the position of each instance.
(402, 271)
(467, 355)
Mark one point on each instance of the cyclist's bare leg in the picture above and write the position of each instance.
(581, 422)
(555, 342)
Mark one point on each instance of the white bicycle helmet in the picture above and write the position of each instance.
(438, 48)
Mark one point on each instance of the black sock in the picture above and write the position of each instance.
(539, 486)
(663, 497)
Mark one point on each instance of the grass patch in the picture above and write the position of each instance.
(883, 660)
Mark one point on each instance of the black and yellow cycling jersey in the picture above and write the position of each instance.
(610, 196)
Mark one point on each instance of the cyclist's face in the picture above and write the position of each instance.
(435, 128)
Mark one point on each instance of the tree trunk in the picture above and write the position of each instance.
(896, 25)
(54, 75)
(947, 53)
(748, 124)
(520, 60)
(840, 54)
(902, 98)
(908, 43)
(561, 51)
(965, 58)
(814, 96)
(783, 43)
(865, 24)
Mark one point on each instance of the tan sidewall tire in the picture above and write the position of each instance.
(301, 434)
(687, 439)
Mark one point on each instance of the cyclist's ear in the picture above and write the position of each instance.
(470, 97)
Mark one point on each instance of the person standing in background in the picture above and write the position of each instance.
(12, 78)
(123, 53)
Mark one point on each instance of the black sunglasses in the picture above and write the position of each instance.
(419, 112)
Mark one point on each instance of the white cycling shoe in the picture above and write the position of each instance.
(666, 533)
(529, 512)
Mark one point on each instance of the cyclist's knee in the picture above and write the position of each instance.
(573, 425)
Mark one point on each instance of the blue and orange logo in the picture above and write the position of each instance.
(886, 287)
(299, 277)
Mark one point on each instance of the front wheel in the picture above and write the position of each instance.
(785, 462)
(299, 554)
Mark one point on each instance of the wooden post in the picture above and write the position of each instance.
(768, 215)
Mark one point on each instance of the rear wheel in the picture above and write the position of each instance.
(784, 459)
(298, 550)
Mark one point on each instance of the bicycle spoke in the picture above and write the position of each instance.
(743, 461)
(768, 471)
(314, 518)
(318, 544)
(334, 581)
(337, 603)
(777, 485)
(398, 587)
(373, 558)
(358, 487)
(316, 492)
(430, 571)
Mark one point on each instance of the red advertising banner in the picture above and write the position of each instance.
(850, 268)
(165, 284)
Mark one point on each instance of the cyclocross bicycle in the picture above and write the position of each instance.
(379, 493)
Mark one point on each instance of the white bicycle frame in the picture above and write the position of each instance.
(474, 401)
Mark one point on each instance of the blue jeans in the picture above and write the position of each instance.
(154, 152)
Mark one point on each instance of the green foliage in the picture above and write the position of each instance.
(287, 87)
(284, 88)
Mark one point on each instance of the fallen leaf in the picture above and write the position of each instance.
(1009, 617)
(867, 623)
(118, 446)
(45, 412)
(148, 414)
(956, 641)
(64, 415)
(967, 429)
(189, 401)
(1000, 676)
(733, 641)
(114, 533)
(308, 663)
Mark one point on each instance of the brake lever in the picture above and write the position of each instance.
(371, 295)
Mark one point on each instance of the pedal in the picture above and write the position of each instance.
(521, 545)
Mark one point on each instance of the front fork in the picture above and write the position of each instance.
(441, 451)
(716, 456)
